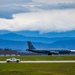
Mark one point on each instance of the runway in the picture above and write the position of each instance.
(62, 61)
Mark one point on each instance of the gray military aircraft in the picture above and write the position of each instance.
(45, 51)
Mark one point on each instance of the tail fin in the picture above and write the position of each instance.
(30, 46)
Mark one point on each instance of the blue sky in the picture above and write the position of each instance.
(37, 15)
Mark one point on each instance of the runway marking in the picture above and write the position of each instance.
(62, 61)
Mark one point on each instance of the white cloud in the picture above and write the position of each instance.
(10, 7)
(44, 21)
(53, 1)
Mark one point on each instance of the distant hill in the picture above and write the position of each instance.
(12, 36)
(22, 45)
(38, 34)
(70, 44)
(47, 35)
(4, 32)
(17, 40)
(18, 37)
(12, 44)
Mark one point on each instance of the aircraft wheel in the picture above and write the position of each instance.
(49, 53)
(8, 61)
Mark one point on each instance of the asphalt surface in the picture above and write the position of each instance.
(62, 61)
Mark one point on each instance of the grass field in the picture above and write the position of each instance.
(37, 69)
(3, 58)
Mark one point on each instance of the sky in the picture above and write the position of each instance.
(37, 15)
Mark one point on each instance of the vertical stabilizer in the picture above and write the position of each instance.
(30, 46)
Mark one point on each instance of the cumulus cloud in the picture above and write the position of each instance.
(38, 15)
(10, 7)
(44, 21)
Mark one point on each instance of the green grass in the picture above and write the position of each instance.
(3, 58)
(37, 69)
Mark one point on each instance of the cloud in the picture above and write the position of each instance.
(53, 1)
(38, 15)
(8, 10)
(10, 7)
(43, 21)
(4, 2)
